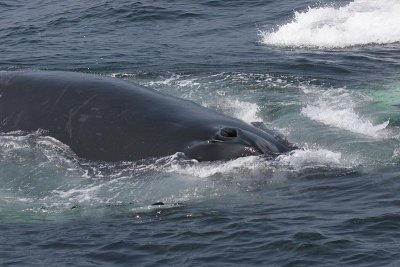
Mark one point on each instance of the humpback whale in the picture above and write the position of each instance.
(108, 119)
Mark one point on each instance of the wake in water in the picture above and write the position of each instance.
(358, 23)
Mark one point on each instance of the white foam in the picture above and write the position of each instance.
(346, 119)
(213, 169)
(176, 80)
(358, 23)
(336, 108)
(310, 157)
(256, 167)
(239, 109)
(245, 111)
(396, 152)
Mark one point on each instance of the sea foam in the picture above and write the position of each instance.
(337, 108)
(358, 23)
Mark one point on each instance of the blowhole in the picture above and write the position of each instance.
(226, 134)
(229, 132)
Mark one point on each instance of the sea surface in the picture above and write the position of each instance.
(326, 74)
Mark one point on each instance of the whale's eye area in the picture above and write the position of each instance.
(226, 134)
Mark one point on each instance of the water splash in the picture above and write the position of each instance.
(358, 23)
(50, 180)
(218, 169)
(336, 108)
(311, 158)
(187, 86)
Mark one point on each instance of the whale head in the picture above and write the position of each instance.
(234, 142)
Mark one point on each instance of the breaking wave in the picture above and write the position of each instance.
(358, 23)
(337, 108)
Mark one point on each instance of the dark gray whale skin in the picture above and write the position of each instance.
(108, 119)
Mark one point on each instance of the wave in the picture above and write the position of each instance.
(337, 108)
(360, 22)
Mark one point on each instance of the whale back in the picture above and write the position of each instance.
(103, 118)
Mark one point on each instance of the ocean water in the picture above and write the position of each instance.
(324, 73)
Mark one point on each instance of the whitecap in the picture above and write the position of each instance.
(337, 108)
(358, 23)
(346, 119)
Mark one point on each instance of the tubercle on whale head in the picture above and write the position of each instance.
(232, 142)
